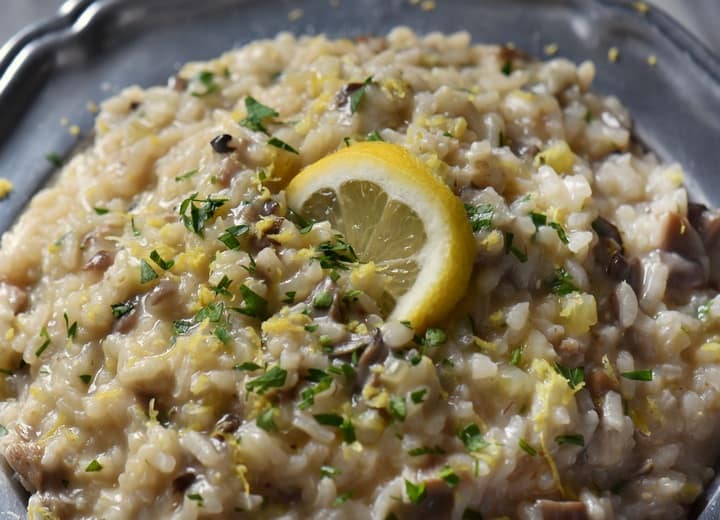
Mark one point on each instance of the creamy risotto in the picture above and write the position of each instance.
(177, 342)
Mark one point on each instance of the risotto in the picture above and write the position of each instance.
(178, 341)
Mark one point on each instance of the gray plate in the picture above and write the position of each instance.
(97, 47)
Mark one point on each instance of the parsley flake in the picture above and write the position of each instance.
(121, 309)
(43, 334)
(85, 378)
(265, 420)
(54, 159)
(472, 437)
(480, 217)
(273, 378)
(289, 298)
(449, 476)
(93, 466)
(254, 305)
(397, 408)
(526, 447)
(418, 396)
(574, 376)
(357, 96)
(323, 300)
(563, 283)
(162, 264)
(201, 211)
(229, 237)
(256, 115)
(101, 211)
(147, 273)
(206, 81)
(638, 375)
(71, 329)
(186, 175)
(435, 337)
(341, 499)
(248, 365)
(573, 438)
(282, 145)
(374, 136)
(415, 492)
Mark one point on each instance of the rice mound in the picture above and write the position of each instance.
(164, 353)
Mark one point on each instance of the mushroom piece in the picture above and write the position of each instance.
(610, 255)
(24, 459)
(707, 223)
(600, 383)
(556, 510)
(100, 261)
(376, 352)
(683, 252)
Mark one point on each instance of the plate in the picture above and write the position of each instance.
(50, 72)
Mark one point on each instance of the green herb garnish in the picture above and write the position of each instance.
(374, 136)
(415, 492)
(71, 329)
(186, 175)
(85, 378)
(510, 247)
(54, 159)
(248, 365)
(574, 376)
(563, 283)
(289, 298)
(341, 499)
(221, 289)
(93, 466)
(571, 438)
(358, 94)
(207, 81)
(162, 264)
(527, 448)
(282, 145)
(230, 236)
(201, 211)
(121, 309)
(147, 273)
(328, 472)
(256, 114)
(43, 334)
(507, 67)
(397, 408)
(449, 476)
(273, 378)
(638, 375)
(323, 300)
(254, 305)
(101, 211)
(265, 421)
(435, 337)
(516, 356)
(472, 437)
(480, 217)
(418, 396)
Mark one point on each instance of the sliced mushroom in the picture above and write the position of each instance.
(16, 297)
(556, 510)
(100, 261)
(438, 502)
(127, 322)
(600, 383)
(610, 255)
(228, 423)
(707, 223)
(376, 352)
(683, 252)
(184, 481)
(163, 300)
(24, 459)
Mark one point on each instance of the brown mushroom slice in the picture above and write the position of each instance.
(24, 459)
(556, 510)
(707, 223)
(610, 255)
(683, 252)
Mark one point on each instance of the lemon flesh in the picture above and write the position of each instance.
(397, 214)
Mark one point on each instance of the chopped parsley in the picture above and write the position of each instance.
(265, 421)
(374, 136)
(186, 175)
(229, 237)
(257, 113)
(289, 298)
(418, 396)
(449, 476)
(510, 247)
(323, 300)
(221, 289)
(527, 448)
(638, 375)
(43, 334)
(341, 499)
(328, 472)
(560, 232)
(311, 328)
(435, 337)
(575, 439)
(93, 466)
(147, 273)
(472, 437)
(101, 211)
(541, 220)
(3, 431)
(516, 356)
(248, 365)
(121, 309)
(397, 408)
(212, 312)
(563, 283)
(162, 264)
(322, 382)
(54, 159)
(282, 145)
(71, 329)
(273, 378)
(703, 311)
(254, 305)
(343, 424)
(507, 67)
(538, 219)
(480, 217)
(250, 268)
(352, 295)
(206, 79)
(85, 378)
(357, 96)
(335, 254)
(574, 376)
(222, 333)
(196, 497)
(426, 450)
(415, 492)
(201, 211)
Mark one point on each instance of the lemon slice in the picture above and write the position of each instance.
(397, 214)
